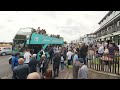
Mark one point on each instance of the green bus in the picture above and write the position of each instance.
(26, 38)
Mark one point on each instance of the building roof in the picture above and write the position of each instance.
(105, 16)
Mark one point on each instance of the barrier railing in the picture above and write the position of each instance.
(107, 63)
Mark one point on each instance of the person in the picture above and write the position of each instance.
(75, 65)
(15, 60)
(27, 56)
(111, 50)
(38, 30)
(101, 50)
(56, 63)
(83, 70)
(106, 51)
(33, 63)
(51, 52)
(62, 62)
(48, 74)
(83, 52)
(21, 71)
(34, 75)
(43, 64)
(69, 56)
(64, 53)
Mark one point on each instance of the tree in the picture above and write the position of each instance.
(65, 42)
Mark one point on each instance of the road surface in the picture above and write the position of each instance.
(6, 73)
(5, 68)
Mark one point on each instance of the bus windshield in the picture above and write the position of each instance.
(18, 45)
(25, 31)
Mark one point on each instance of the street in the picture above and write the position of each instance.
(5, 68)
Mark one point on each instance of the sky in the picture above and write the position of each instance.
(68, 24)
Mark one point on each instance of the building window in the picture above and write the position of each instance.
(109, 28)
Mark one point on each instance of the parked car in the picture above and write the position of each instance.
(5, 51)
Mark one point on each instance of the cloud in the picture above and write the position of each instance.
(69, 24)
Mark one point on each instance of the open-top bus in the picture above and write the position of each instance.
(26, 38)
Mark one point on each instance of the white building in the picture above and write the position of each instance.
(109, 28)
(89, 38)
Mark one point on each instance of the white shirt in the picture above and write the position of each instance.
(69, 54)
(83, 72)
(101, 49)
(27, 57)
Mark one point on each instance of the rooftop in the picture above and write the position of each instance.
(105, 16)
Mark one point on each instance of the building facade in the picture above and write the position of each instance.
(89, 38)
(109, 28)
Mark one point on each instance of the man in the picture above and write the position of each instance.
(83, 70)
(75, 65)
(33, 75)
(111, 50)
(21, 71)
(69, 56)
(15, 60)
(27, 56)
(56, 63)
(33, 63)
(101, 50)
(51, 52)
(83, 52)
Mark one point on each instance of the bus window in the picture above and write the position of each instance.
(18, 45)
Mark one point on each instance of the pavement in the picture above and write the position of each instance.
(5, 68)
(6, 73)
(66, 74)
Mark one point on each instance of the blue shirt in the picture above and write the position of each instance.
(75, 57)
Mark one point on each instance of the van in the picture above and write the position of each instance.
(5, 51)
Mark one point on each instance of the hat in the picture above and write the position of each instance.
(81, 60)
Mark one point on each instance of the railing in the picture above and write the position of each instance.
(106, 63)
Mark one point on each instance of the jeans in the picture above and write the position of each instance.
(51, 59)
(62, 65)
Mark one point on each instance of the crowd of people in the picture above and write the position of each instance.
(43, 31)
(104, 50)
(26, 68)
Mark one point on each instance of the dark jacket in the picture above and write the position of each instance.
(83, 51)
(51, 52)
(32, 65)
(21, 71)
(56, 60)
(44, 63)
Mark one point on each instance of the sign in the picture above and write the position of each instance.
(42, 39)
(36, 39)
